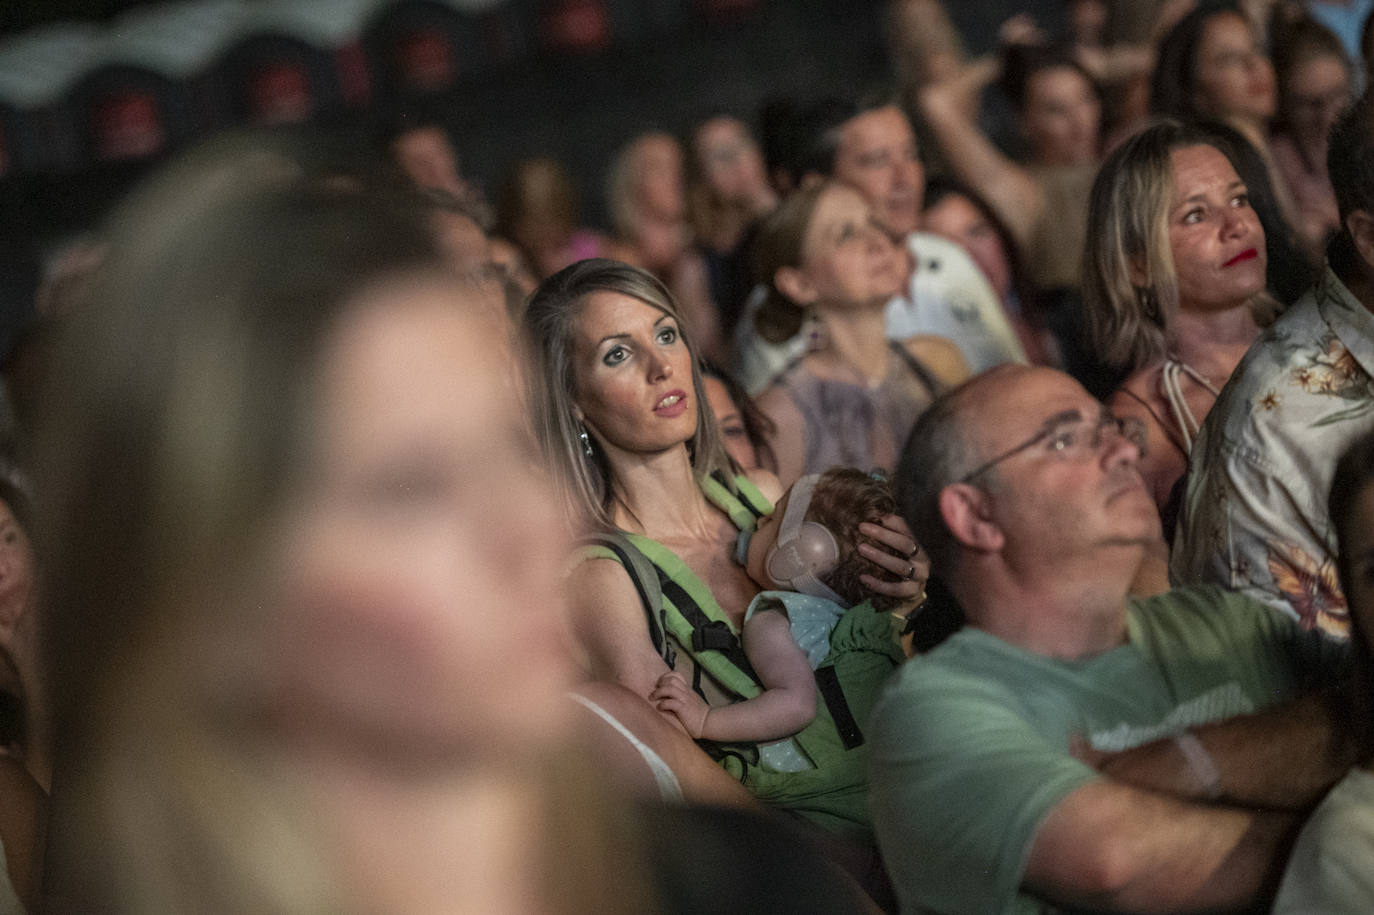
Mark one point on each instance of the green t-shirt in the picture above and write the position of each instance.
(969, 745)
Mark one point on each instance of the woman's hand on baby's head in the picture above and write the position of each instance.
(896, 551)
(675, 698)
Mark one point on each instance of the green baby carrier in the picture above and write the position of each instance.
(689, 630)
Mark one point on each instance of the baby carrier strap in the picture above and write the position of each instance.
(697, 622)
(643, 574)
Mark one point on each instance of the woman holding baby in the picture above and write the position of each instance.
(621, 415)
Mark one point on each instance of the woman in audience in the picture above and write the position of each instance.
(728, 193)
(1315, 82)
(305, 656)
(619, 409)
(853, 398)
(1174, 271)
(744, 431)
(1213, 66)
(282, 649)
(1328, 870)
(537, 209)
(646, 193)
(953, 210)
(1042, 201)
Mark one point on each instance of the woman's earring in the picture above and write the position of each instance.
(586, 442)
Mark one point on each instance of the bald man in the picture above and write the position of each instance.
(1069, 747)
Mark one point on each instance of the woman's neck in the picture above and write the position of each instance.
(1213, 342)
(857, 337)
(657, 495)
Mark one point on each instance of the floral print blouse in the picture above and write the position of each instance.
(1254, 517)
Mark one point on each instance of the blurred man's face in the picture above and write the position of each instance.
(877, 157)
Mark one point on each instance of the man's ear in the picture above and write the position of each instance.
(792, 283)
(967, 512)
(1360, 225)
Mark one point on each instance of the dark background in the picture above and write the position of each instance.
(580, 109)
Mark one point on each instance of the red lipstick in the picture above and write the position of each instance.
(1248, 254)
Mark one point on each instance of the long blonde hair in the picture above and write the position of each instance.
(1128, 236)
(585, 482)
(178, 430)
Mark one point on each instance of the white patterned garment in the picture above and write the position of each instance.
(1254, 518)
(950, 297)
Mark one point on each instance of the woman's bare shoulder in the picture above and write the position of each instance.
(941, 355)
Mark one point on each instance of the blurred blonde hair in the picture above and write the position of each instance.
(178, 429)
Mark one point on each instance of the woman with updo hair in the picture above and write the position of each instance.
(1174, 278)
(854, 395)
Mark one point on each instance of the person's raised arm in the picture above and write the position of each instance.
(611, 626)
(1113, 847)
(786, 705)
(945, 89)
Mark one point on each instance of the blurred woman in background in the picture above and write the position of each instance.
(728, 193)
(283, 649)
(646, 194)
(1316, 85)
(853, 397)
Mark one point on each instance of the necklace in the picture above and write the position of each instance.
(1173, 373)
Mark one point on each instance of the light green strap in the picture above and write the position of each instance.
(728, 502)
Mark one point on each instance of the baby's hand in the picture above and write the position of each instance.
(672, 695)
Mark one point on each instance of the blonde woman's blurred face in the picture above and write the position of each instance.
(1233, 76)
(421, 609)
(731, 161)
(1062, 117)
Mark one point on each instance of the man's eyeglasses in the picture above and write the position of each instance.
(1071, 435)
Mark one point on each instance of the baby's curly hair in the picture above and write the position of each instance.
(842, 499)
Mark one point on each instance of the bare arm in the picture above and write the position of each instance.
(1283, 758)
(23, 819)
(1007, 186)
(786, 705)
(945, 88)
(610, 624)
(939, 354)
(702, 781)
(1110, 846)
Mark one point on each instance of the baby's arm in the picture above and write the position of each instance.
(786, 705)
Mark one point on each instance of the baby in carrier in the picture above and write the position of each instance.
(806, 556)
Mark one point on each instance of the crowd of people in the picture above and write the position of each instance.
(883, 514)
